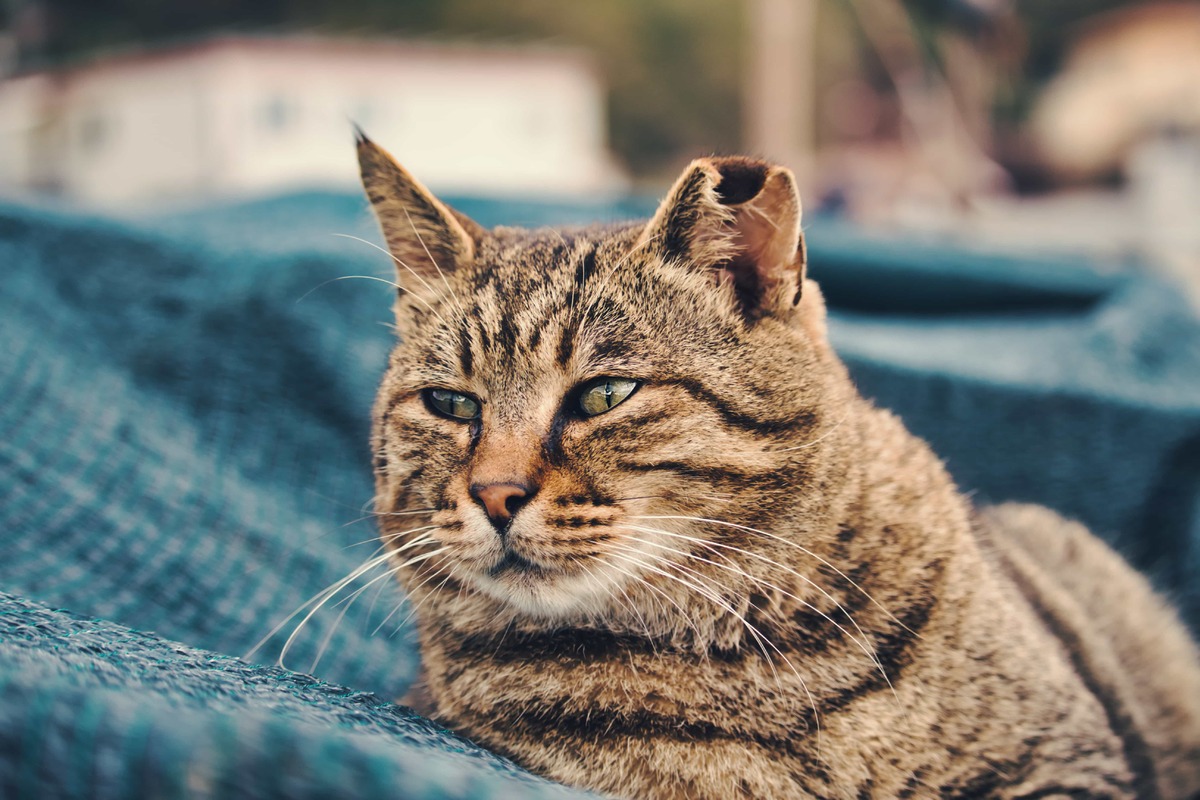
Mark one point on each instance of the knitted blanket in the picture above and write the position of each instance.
(184, 405)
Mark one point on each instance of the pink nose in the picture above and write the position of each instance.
(501, 500)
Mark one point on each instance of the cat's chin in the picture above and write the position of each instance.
(541, 594)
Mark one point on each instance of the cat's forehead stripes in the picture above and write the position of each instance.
(549, 309)
(532, 298)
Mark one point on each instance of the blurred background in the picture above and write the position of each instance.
(1066, 126)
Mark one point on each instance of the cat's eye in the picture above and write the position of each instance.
(455, 405)
(600, 395)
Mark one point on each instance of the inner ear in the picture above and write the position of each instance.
(767, 260)
(741, 180)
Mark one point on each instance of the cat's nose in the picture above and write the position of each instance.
(501, 500)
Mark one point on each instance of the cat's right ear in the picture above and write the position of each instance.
(426, 238)
(737, 219)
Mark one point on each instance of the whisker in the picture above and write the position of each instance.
(627, 604)
(335, 587)
(386, 537)
(350, 278)
(863, 644)
(392, 256)
(819, 439)
(683, 614)
(346, 602)
(341, 585)
(409, 595)
(433, 261)
(674, 496)
(824, 593)
(407, 513)
(732, 567)
(760, 639)
(400, 626)
(789, 543)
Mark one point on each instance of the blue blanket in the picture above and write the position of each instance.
(184, 405)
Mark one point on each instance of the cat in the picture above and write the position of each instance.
(659, 546)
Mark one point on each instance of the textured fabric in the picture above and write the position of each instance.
(184, 407)
(93, 709)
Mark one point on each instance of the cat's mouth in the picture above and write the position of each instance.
(511, 562)
(535, 588)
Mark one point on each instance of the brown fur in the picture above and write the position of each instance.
(745, 580)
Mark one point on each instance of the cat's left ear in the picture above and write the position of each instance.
(739, 218)
(424, 235)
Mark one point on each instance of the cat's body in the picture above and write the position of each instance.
(736, 578)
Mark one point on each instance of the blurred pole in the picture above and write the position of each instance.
(780, 88)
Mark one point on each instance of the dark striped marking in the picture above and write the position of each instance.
(740, 419)
(535, 338)
(464, 343)
(555, 723)
(684, 216)
(1136, 750)
(506, 335)
(706, 472)
(577, 522)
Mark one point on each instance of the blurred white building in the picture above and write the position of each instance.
(238, 116)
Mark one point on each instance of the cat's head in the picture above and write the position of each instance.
(575, 419)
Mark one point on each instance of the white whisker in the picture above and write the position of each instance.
(323, 596)
(399, 261)
(441, 272)
(819, 439)
(409, 595)
(683, 614)
(789, 543)
(863, 644)
(760, 639)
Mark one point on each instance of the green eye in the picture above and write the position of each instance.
(603, 393)
(452, 404)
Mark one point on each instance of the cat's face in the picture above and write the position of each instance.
(570, 417)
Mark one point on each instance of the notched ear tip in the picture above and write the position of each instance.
(706, 166)
(741, 178)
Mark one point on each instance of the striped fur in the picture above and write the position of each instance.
(745, 580)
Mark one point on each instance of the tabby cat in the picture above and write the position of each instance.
(659, 547)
